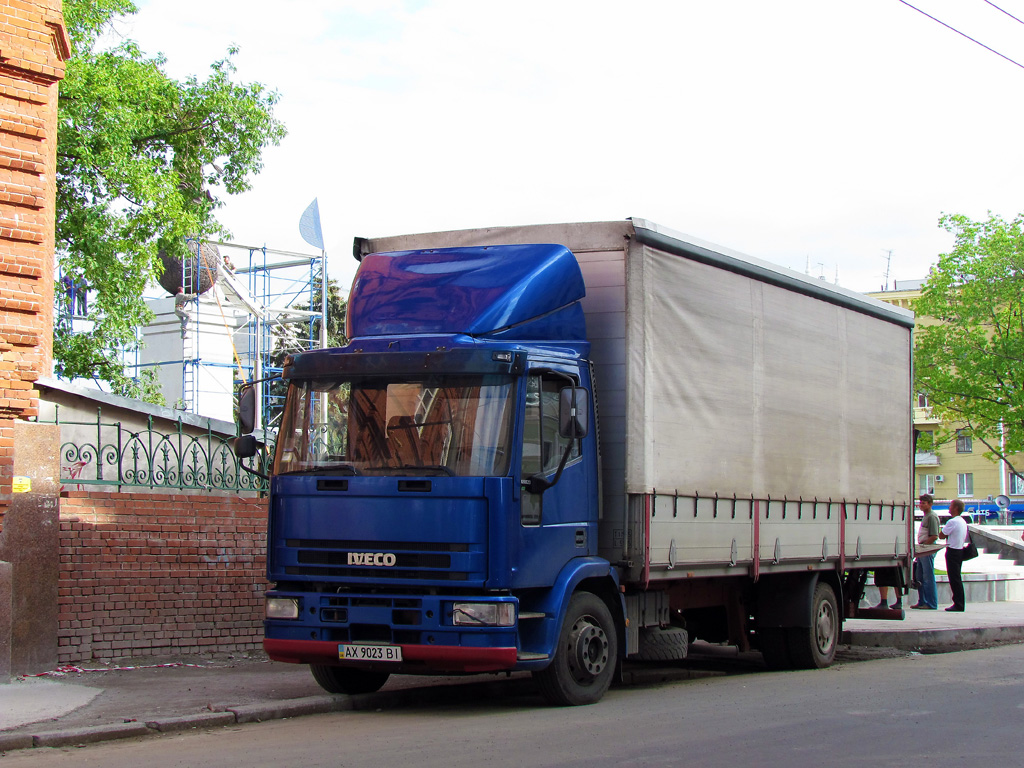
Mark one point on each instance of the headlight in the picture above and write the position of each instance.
(282, 608)
(484, 614)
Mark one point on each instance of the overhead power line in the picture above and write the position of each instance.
(954, 29)
(1004, 11)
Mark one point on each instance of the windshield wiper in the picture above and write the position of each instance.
(430, 468)
(338, 468)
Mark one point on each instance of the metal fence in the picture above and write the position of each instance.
(98, 453)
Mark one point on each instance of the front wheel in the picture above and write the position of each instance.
(586, 654)
(335, 679)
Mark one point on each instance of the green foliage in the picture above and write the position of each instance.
(141, 161)
(926, 442)
(969, 351)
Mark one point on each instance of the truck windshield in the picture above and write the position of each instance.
(398, 426)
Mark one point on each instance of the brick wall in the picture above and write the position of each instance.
(160, 575)
(33, 49)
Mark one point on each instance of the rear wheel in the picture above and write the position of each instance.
(350, 680)
(586, 654)
(814, 647)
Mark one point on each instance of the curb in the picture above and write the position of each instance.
(89, 735)
(187, 722)
(278, 710)
(936, 640)
(250, 713)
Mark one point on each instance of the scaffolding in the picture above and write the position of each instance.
(284, 285)
(263, 305)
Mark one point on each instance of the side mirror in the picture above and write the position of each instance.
(573, 413)
(246, 446)
(246, 410)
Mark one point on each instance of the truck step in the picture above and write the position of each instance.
(527, 656)
(531, 615)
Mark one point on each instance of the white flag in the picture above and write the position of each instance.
(309, 226)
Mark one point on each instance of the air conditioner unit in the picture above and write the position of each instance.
(940, 479)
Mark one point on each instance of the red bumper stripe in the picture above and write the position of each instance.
(415, 658)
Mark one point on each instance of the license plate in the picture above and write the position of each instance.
(370, 652)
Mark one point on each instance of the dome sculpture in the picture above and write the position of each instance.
(202, 271)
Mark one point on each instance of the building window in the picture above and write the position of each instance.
(1016, 484)
(922, 400)
(963, 442)
(965, 484)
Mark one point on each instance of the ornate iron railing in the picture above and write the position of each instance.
(98, 453)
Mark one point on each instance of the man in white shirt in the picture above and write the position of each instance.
(955, 534)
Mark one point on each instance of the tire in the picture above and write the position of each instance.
(335, 679)
(774, 645)
(585, 657)
(814, 647)
(668, 644)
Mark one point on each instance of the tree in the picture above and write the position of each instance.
(969, 350)
(142, 163)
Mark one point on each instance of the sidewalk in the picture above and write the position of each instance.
(982, 624)
(64, 709)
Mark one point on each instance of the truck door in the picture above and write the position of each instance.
(553, 523)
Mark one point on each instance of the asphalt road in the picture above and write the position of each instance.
(954, 709)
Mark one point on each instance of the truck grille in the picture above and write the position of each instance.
(353, 559)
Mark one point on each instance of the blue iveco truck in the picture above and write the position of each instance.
(554, 448)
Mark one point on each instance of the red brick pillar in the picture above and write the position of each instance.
(33, 49)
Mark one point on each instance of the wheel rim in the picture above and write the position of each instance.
(589, 645)
(825, 627)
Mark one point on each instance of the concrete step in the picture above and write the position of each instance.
(1003, 541)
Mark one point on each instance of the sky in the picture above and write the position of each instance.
(826, 137)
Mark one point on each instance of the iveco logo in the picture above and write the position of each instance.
(372, 558)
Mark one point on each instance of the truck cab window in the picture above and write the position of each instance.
(542, 445)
